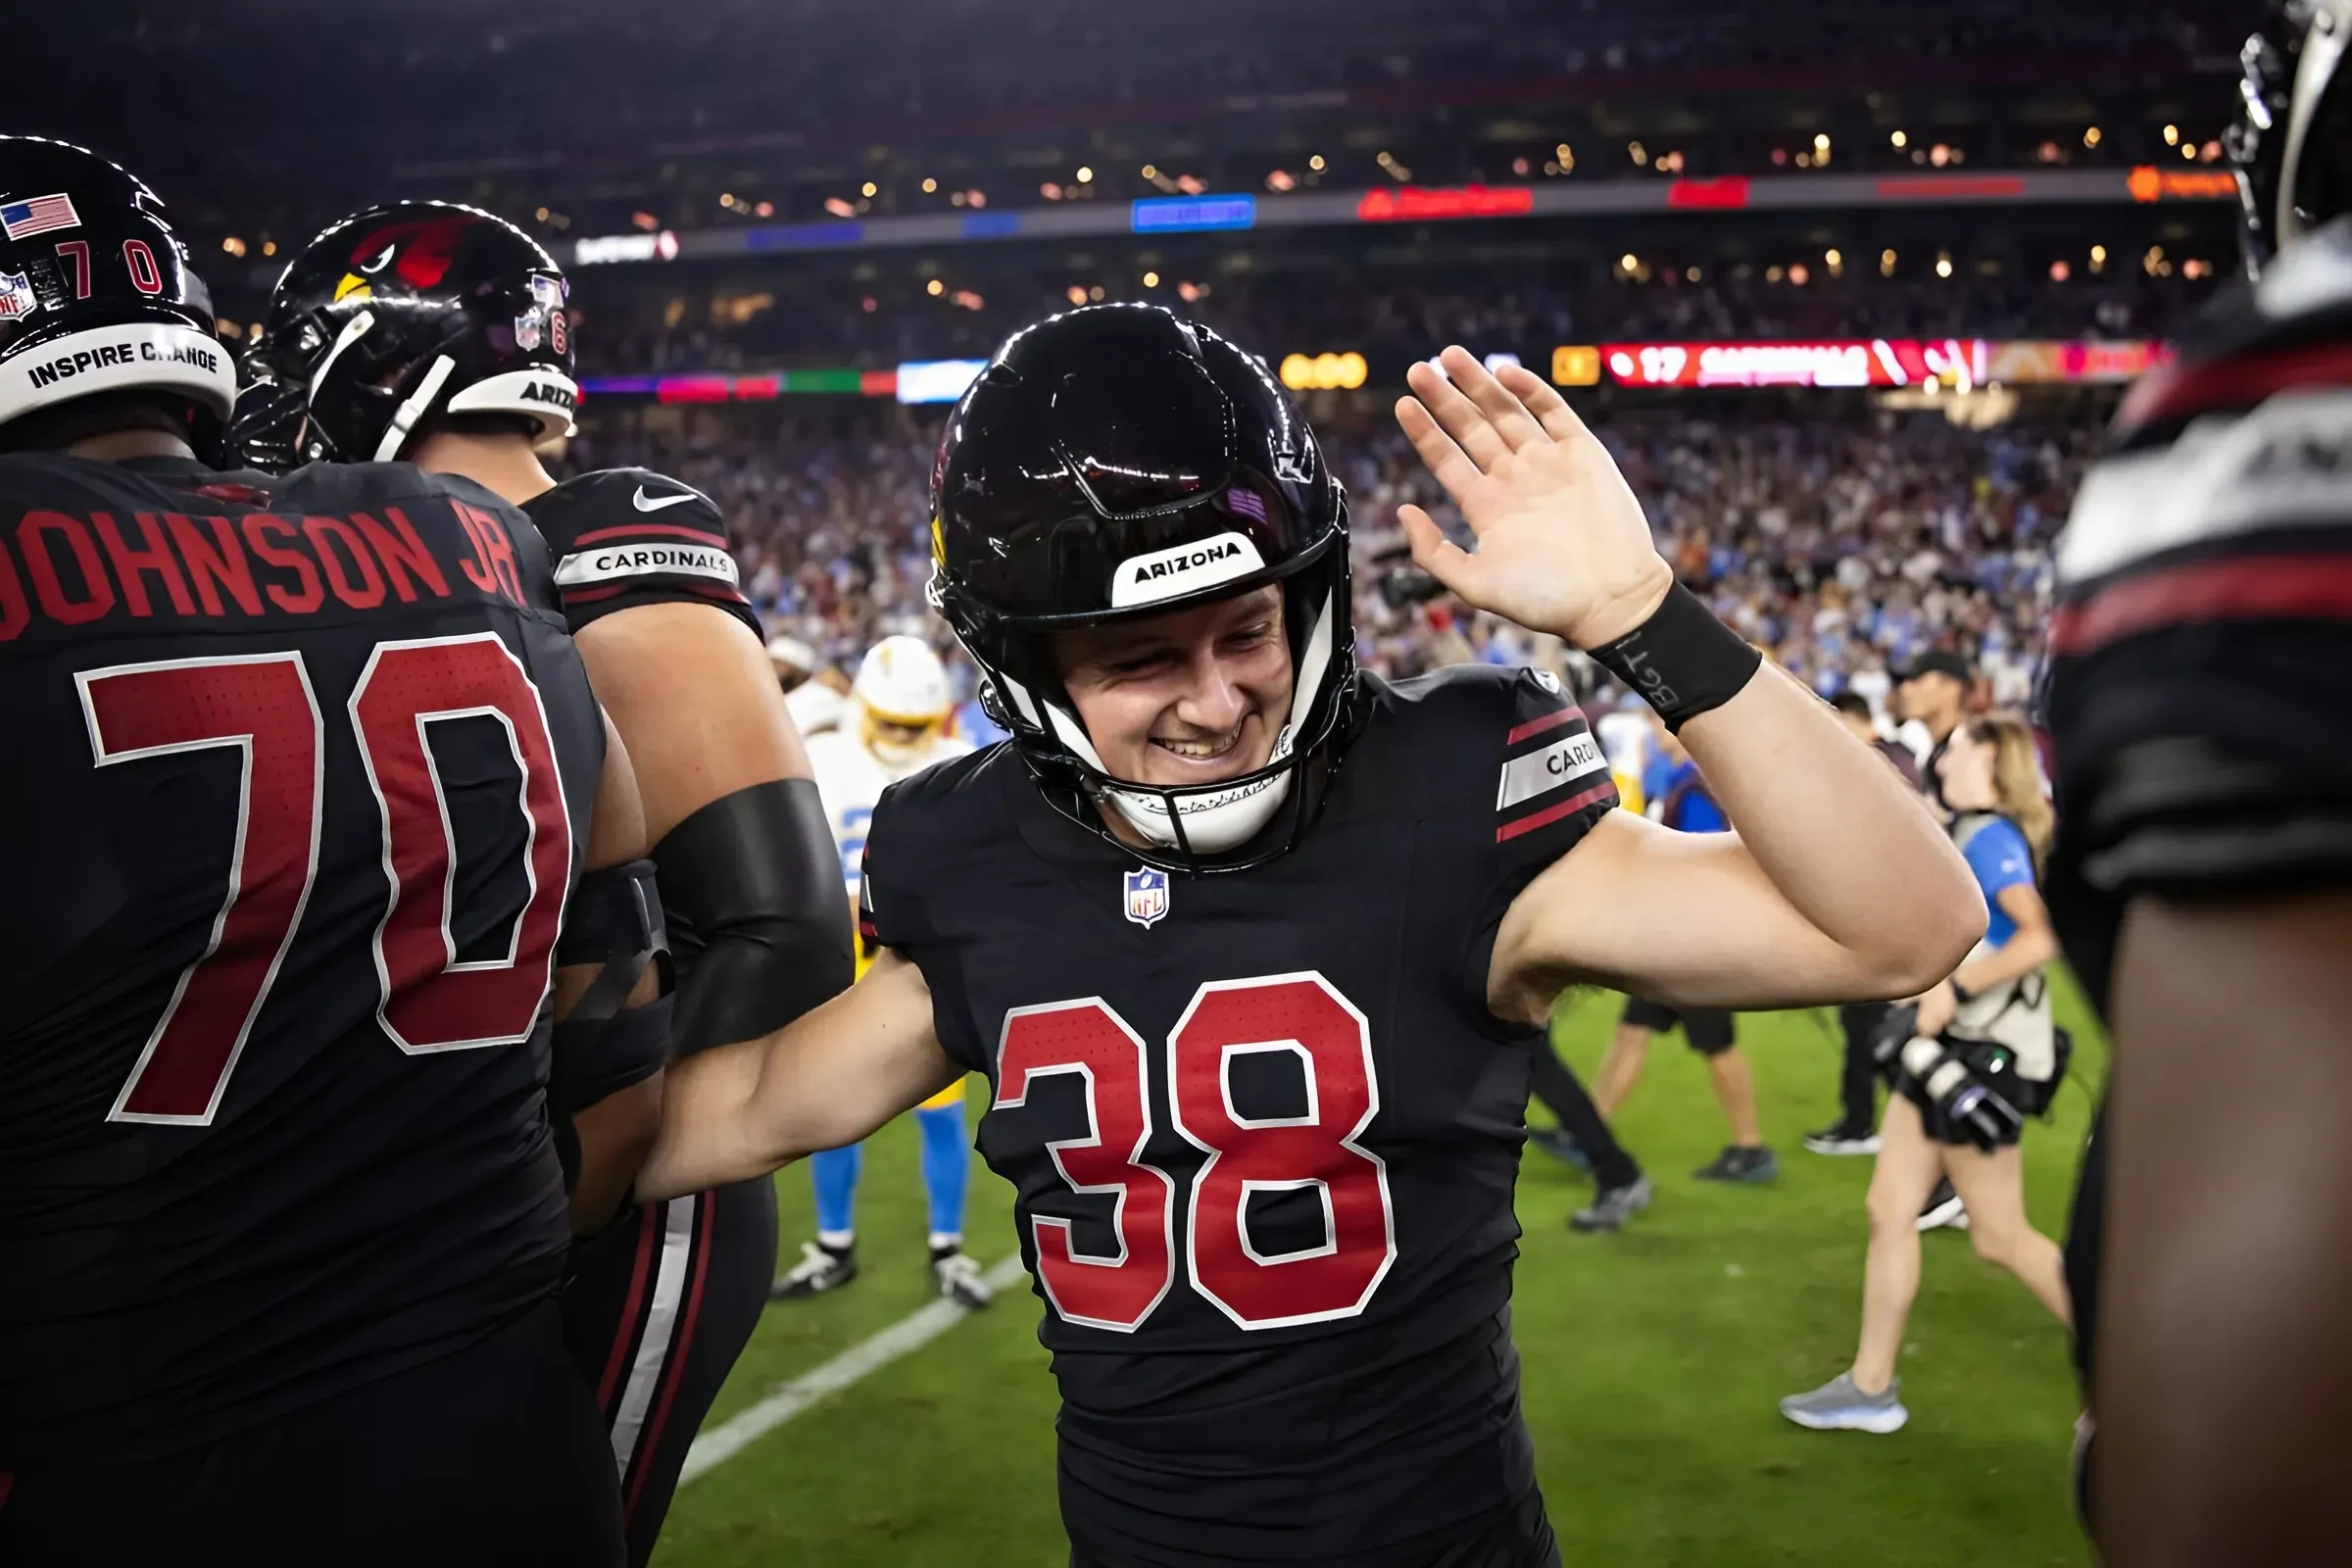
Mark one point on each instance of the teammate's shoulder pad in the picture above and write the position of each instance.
(1477, 693)
(333, 487)
(956, 773)
(926, 818)
(618, 499)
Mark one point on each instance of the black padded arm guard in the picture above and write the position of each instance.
(613, 920)
(751, 883)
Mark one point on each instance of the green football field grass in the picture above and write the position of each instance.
(1652, 1362)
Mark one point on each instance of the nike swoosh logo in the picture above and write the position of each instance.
(645, 503)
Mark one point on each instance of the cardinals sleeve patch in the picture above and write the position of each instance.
(1552, 768)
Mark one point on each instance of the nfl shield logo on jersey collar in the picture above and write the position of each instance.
(1147, 897)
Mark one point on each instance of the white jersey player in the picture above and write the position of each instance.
(894, 724)
(810, 695)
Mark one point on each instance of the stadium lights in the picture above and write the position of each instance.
(2091, 137)
(1834, 257)
(1693, 274)
(764, 210)
(1886, 263)
(1086, 176)
(1150, 280)
(1821, 141)
(1943, 264)
(930, 185)
(1075, 293)
(1637, 153)
(2098, 258)
(1151, 170)
(1315, 163)
(268, 248)
(935, 288)
(2171, 136)
(1628, 262)
(1899, 140)
(1799, 274)
(1094, 293)
(234, 245)
(2060, 271)
(2189, 152)
(870, 189)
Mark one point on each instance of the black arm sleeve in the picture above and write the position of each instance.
(752, 886)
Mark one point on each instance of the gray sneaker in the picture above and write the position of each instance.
(1839, 1406)
(1611, 1207)
(1737, 1164)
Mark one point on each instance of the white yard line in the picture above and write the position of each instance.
(719, 1444)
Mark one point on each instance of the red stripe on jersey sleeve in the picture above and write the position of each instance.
(1553, 813)
(641, 530)
(1537, 726)
(2250, 588)
(2176, 390)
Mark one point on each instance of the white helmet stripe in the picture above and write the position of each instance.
(396, 434)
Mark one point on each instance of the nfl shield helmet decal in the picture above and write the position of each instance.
(1147, 897)
(17, 298)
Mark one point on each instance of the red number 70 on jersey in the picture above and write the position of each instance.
(1301, 1014)
(262, 706)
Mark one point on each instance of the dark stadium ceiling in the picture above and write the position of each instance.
(265, 113)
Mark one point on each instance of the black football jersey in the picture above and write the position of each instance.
(2200, 695)
(297, 786)
(627, 536)
(1263, 1129)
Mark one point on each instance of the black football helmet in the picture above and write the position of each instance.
(2292, 146)
(399, 314)
(1114, 461)
(95, 292)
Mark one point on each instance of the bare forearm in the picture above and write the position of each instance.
(2224, 1376)
(614, 1136)
(826, 1079)
(708, 1134)
(1837, 833)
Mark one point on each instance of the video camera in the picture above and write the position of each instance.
(1964, 1087)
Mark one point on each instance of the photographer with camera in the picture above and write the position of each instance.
(1969, 1061)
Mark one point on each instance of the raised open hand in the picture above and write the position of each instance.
(1562, 545)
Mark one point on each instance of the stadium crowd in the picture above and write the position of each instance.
(1846, 549)
(1685, 298)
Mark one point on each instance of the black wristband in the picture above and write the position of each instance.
(1681, 659)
